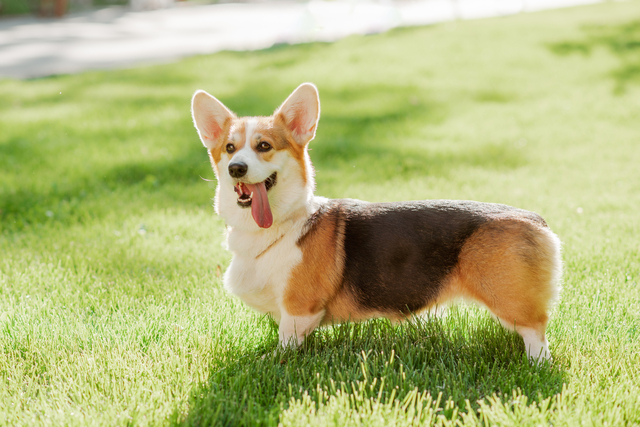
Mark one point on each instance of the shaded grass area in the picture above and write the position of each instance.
(623, 40)
(112, 310)
(426, 357)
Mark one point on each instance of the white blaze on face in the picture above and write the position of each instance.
(249, 129)
(253, 186)
(257, 170)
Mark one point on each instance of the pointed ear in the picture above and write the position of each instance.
(210, 117)
(300, 113)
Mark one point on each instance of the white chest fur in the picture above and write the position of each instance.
(261, 265)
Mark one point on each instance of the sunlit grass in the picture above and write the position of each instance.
(112, 310)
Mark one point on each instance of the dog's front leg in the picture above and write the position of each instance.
(293, 329)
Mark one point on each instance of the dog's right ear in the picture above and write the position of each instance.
(210, 117)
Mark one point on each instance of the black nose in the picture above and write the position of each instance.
(238, 170)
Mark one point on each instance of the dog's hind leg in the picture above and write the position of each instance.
(513, 268)
(535, 342)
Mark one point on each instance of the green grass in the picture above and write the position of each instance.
(112, 310)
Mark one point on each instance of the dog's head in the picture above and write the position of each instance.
(262, 165)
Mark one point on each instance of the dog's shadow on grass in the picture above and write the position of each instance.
(458, 357)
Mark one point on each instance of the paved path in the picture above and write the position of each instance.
(118, 37)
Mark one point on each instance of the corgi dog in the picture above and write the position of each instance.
(310, 261)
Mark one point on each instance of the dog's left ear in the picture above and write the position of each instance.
(300, 113)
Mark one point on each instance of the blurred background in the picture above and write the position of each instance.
(46, 37)
(62, 7)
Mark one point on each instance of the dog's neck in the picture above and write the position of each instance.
(253, 243)
(256, 241)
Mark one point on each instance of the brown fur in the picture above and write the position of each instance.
(216, 152)
(296, 150)
(316, 280)
(507, 265)
(343, 307)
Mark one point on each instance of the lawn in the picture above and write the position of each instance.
(112, 310)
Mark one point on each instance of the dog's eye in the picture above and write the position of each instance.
(230, 148)
(264, 146)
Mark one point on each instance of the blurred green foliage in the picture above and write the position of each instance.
(16, 7)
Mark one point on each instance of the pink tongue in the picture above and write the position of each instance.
(260, 209)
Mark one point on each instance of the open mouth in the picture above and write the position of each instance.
(255, 196)
(246, 191)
